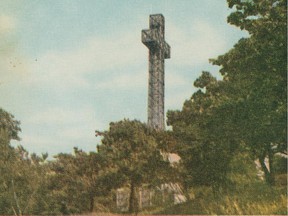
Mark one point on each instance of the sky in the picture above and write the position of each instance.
(70, 67)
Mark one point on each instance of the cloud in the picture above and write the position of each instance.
(96, 59)
(40, 143)
(173, 80)
(62, 116)
(59, 130)
(12, 62)
(7, 24)
(175, 100)
(120, 61)
(196, 44)
(178, 89)
(125, 81)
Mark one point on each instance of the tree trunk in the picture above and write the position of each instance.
(16, 199)
(91, 203)
(269, 176)
(271, 159)
(186, 191)
(133, 201)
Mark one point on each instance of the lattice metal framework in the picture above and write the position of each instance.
(154, 39)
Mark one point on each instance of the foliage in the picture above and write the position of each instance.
(133, 154)
(256, 74)
(21, 178)
(280, 164)
(201, 129)
(248, 108)
(9, 124)
(76, 181)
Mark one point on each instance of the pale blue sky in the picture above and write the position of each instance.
(72, 66)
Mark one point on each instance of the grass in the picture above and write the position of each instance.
(247, 195)
(253, 200)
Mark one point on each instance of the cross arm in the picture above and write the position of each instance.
(152, 40)
(166, 50)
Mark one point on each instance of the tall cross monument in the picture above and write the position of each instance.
(154, 39)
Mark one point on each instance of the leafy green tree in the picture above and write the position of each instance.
(280, 164)
(256, 74)
(200, 129)
(248, 108)
(6, 157)
(9, 128)
(91, 171)
(76, 181)
(21, 173)
(9, 124)
(133, 154)
(28, 173)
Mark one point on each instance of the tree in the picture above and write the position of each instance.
(9, 128)
(133, 154)
(91, 172)
(21, 179)
(22, 174)
(256, 74)
(76, 181)
(248, 108)
(200, 128)
(9, 124)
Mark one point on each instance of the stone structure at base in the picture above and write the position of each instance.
(164, 194)
(122, 199)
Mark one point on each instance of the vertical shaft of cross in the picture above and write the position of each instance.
(154, 39)
(156, 90)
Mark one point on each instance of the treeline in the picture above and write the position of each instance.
(131, 155)
(245, 113)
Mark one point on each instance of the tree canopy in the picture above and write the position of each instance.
(249, 106)
(133, 153)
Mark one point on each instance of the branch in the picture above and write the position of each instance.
(15, 213)
(29, 200)
(16, 199)
(99, 133)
